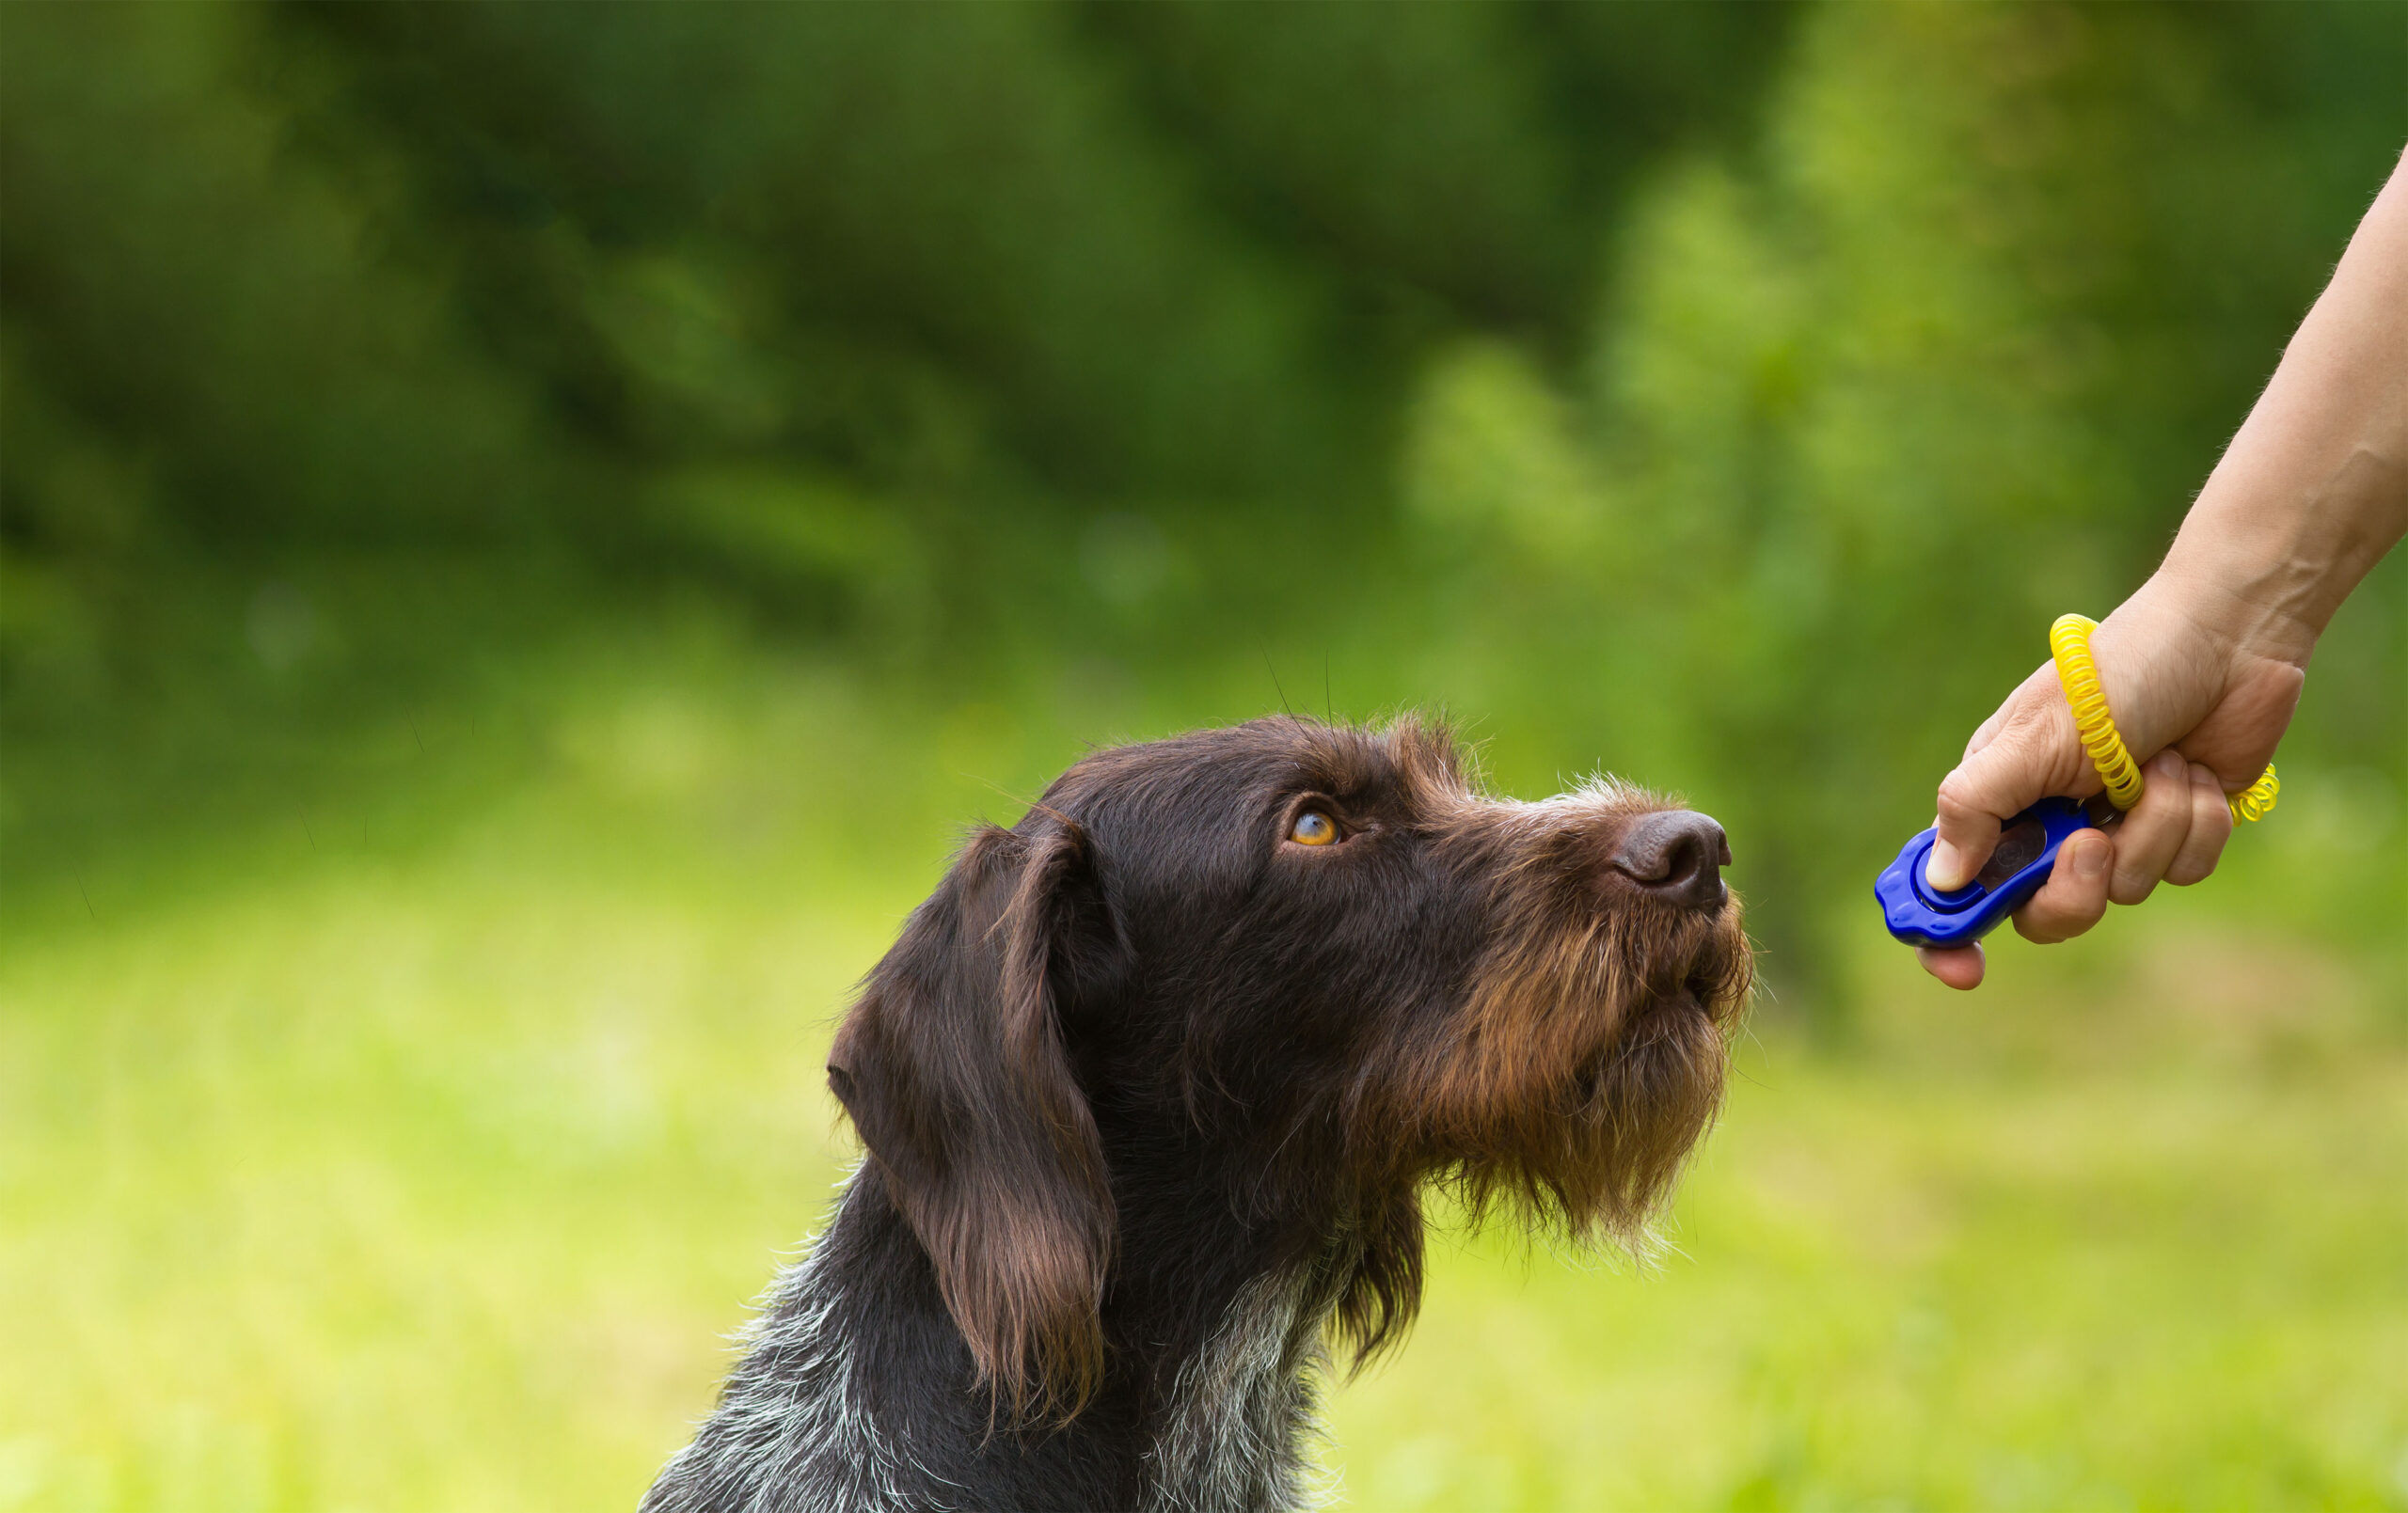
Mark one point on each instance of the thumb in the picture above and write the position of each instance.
(2034, 754)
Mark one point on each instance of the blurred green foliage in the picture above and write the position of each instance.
(1722, 393)
(525, 529)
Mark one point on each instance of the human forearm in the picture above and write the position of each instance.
(2313, 490)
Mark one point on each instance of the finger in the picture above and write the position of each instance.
(2075, 894)
(2210, 827)
(2032, 752)
(1959, 966)
(1987, 730)
(2154, 830)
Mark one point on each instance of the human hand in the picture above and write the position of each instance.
(2203, 667)
(2200, 702)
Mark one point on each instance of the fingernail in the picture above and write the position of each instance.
(2090, 858)
(1944, 869)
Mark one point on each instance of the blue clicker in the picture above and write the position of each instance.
(2027, 848)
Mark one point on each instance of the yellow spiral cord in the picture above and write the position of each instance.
(2069, 646)
(2255, 801)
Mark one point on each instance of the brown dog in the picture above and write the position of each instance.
(1152, 1088)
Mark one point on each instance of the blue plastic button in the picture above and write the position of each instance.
(2027, 848)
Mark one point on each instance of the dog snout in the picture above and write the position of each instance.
(1677, 855)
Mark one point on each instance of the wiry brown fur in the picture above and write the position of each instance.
(1586, 1063)
(1152, 1093)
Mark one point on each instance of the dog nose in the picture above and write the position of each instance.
(1678, 855)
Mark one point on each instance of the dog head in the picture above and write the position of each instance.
(1316, 959)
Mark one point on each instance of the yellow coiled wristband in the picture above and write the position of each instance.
(2069, 646)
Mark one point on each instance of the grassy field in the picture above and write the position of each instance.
(417, 1154)
(526, 534)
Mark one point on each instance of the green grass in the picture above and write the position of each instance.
(1900, 1294)
(419, 1156)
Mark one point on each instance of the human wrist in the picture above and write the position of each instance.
(2167, 656)
(2258, 595)
(2185, 662)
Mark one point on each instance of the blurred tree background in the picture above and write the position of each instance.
(702, 455)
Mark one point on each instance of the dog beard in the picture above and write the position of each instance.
(1589, 1138)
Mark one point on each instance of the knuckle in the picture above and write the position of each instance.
(2131, 890)
(2054, 915)
(2195, 865)
(1960, 798)
(2078, 911)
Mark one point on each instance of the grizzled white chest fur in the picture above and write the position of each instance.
(799, 1427)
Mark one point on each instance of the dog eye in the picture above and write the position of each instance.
(1313, 827)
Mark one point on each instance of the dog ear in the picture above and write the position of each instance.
(953, 1068)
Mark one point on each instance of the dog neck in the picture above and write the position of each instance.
(856, 1390)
